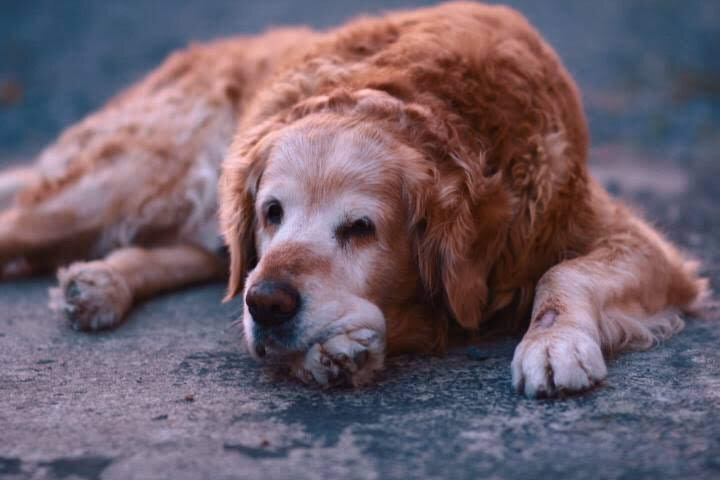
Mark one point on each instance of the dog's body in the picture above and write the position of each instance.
(386, 181)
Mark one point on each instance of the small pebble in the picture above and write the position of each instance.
(476, 354)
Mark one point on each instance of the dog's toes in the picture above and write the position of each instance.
(359, 353)
(90, 296)
(317, 367)
(557, 363)
(348, 358)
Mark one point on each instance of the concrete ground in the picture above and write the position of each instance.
(172, 395)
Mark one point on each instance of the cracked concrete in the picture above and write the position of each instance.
(171, 395)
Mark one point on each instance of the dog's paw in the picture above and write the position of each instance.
(352, 357)
(554, 362)
(90, 296)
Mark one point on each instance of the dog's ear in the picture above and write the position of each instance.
(460, 210)
(242, 171)
(459, 224)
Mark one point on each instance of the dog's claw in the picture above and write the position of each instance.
(325, 361)
(361, 358)
(72, 291)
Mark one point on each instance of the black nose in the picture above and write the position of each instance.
(272, 302)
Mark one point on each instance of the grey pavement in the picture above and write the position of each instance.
(171, 394)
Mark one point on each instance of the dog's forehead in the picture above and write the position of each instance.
(326, 161)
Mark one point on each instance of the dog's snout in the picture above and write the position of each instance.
(272, 302)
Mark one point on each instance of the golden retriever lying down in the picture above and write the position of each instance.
(381, 186)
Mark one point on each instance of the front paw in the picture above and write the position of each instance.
(90, 296)
(352, 357)
(554, 362)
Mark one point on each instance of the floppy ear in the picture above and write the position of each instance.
(460, 225)
(460, 209)
(241, 175)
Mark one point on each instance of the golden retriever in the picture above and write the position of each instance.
(379, 187)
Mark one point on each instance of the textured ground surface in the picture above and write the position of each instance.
(171, 395)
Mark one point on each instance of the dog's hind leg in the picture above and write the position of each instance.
(43, 233)
(12, 181)
(36, 238)
(97, 295)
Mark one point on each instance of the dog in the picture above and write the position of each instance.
(380, 188)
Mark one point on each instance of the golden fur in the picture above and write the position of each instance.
(455, 128)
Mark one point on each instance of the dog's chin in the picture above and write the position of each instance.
(272, 351)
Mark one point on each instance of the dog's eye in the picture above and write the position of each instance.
(274, 212)
(362, 227)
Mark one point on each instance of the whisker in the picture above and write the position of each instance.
(236, 325)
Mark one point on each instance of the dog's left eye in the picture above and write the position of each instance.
(362, 227)
(274, 212)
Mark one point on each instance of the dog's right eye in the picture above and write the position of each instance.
(274, 212)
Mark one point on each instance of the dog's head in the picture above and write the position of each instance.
(334, 218)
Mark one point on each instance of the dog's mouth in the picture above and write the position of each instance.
(276, 340)
(275, 345)
(273, 354)
(280, 344)
(269, 349)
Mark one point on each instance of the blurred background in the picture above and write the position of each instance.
(649, 71)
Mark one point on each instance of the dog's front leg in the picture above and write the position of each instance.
(97, 295)
(351, 350)
(626, 293)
